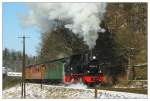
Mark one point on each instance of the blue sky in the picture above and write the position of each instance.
(12, 29)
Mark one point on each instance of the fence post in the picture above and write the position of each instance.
(95, 92)
(41, 84)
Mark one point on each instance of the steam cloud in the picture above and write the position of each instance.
(78, 86)
(82, 18)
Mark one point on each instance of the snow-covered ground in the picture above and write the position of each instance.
(61, 92)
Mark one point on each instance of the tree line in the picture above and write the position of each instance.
(13, 60)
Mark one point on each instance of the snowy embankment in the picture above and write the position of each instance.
(74, 91)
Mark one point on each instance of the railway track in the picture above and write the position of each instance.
(65, 92)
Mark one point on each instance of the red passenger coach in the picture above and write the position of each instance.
(35, 72)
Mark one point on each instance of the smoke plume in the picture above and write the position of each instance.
(82, 18)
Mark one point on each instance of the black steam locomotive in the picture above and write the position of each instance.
(83, 68)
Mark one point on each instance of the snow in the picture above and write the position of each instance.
(120, 95)
(34, 91)
(77, 86)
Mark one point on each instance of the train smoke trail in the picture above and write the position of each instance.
(82, 18)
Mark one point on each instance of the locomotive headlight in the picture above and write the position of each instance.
(71, 68)
(88, 71)
(94, 57)
(100, 71)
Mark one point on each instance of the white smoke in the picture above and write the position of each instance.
(82, 18)
(77, 86)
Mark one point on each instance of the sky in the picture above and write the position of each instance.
(12, 29)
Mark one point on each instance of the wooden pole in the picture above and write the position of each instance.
(95, 92)
(41, 83)
(24, 66)
(129, 67)
(23, 88)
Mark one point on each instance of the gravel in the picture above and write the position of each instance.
(34, 91)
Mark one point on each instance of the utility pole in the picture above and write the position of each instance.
(130, 64)
(23, 91)
(129, 67)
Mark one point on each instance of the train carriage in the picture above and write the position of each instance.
(35, 73)
(49, 73)
(54, 72)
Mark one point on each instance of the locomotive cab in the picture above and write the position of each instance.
(73, 70)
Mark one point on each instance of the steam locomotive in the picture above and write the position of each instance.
(77, 68)
(83, 68)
